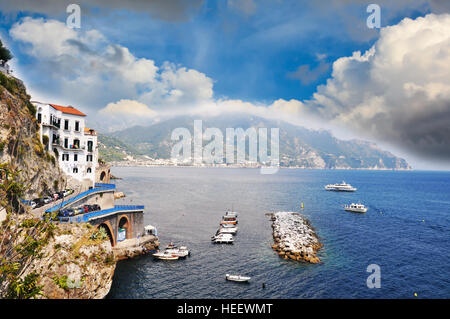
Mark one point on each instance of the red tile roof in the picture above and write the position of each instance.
(68, 109)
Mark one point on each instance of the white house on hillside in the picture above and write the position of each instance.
(73, 144)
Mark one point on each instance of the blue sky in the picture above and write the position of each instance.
(258, 50)
(269, 53)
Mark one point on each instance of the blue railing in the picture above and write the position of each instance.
(86, 217)
(105, 185)
(80, 196)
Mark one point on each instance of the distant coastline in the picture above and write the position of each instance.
(167, 163)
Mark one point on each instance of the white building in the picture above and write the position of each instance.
(72, 143)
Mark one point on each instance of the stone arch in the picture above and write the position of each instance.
(124, 222)
(107, 226)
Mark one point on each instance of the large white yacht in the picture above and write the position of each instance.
(343, 187)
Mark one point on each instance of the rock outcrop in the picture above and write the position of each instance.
(294, 237)
(133, 247)
(73, 264)
(40, 259)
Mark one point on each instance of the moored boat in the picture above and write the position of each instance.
(181, 251)
(227, 230)
(165, 255)
(223, 239)
(232, 221)
(230, 214)
(237, 278)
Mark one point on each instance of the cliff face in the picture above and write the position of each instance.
(20, 145)
(40, 258)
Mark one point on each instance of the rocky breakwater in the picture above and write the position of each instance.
(133, 247)
(294, 237)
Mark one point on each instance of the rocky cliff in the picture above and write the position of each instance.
(40, 258)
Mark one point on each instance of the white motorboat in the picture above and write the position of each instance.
(356, 208)
(230, 214)
(343, 187)
(227, 230)
(229, 221)
(237, 278)
(223, 239)
(228, 225)
(165, 255)
(181, 251)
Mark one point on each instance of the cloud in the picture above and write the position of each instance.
(307, 75)
(128, 107)
(101, 72)
(170, 10)
(398, 90)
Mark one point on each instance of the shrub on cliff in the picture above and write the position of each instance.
(5, 54)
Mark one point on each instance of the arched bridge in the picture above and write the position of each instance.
(119, 221)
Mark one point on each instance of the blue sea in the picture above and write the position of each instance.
(406, 231)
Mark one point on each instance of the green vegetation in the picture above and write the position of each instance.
(61, 281)
(99, 234)
(9, 83)
(112, 149)
(5, 54)
(110, 260)
(26, 288)
(45, 140)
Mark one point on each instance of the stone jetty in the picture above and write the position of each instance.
(294, 237)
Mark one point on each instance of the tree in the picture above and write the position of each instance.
(5, 54)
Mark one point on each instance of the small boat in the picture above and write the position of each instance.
(356, 208)
(237, 278)
(165, 255)
(170, 245)
(229, 214)
(227, 230)
(181, 251)
(223, 239)
(229, 221)
(228, 225)
(343, 187)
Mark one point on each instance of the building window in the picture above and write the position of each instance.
(66, 142)
(66, 124)
(76, 144)
(89, 170)
(75, 170)
(75, 157)
(65, 157)
(39, 118)
(77, 126)
(89, 158)
(90, 145)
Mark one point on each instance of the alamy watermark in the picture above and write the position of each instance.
(374, 19)
(374, 279)
(74, 19)
(190, 149)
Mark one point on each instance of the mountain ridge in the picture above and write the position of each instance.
(299, 146)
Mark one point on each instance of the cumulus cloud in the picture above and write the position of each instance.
(398, 90)
(93, 72)
(128, 107)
